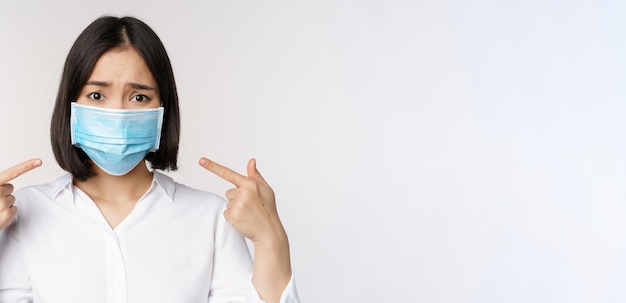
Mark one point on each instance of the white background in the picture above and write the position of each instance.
(421, 151)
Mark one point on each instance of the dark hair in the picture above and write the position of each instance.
(102, 35)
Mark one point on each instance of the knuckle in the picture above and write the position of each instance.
(10, 200)
(6, 189)
(229, 215)
(235, 216)
(227, 173)
(231, 193)
(240, 207)
(244, 195)
(4, 203)
(210, 165)
(7, 216)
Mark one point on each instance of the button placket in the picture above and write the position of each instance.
(116, 271)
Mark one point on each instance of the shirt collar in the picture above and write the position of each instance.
(166, 183)
(61, 183)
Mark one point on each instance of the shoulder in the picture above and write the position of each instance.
(181, 193)
(38, 203)
(188, 206)
(186, 192)
(47, 191)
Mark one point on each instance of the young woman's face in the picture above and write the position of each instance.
(120, 80)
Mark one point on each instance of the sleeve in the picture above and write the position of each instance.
(232, 264)
(290, 294)
(232, 270)
(14, 281)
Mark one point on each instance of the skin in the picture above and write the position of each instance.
(7, 209)
(251, 210)
(122, 80)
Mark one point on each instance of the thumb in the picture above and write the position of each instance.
(253, 172)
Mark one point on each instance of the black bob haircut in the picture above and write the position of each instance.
(102, 35)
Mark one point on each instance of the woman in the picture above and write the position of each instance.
(112, 230)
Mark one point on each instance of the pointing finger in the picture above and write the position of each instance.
(18, 170)
(223, 172)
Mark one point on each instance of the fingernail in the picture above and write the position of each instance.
(204, 162)
(37, 162)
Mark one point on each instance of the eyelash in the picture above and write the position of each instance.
(144, 97)
(93, 95)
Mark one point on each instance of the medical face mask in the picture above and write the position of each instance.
(116, 139)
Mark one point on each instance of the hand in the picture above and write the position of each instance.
(251, 210)
(7, 209)
(251, 207)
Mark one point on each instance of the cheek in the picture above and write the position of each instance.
(156, 101)
(82, 100)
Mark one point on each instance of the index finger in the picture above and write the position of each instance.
(223, 172)
(18, 170)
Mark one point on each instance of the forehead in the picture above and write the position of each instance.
(122, 64)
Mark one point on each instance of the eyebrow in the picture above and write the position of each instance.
(98, 83)
(141, 86)
(132, 84)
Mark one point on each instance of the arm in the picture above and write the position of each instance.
(232, 267)
(14, 281)
(272, 264)
(251, 210)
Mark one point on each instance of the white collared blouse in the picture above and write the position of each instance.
(175, 247)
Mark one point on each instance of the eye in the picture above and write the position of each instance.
(96, 96)
(140, 98)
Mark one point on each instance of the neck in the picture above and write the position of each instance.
(117, 188)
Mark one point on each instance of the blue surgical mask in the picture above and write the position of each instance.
(116, 139)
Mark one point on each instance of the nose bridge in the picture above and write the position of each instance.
(117, 98)
(118, 103)
(123, 104)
